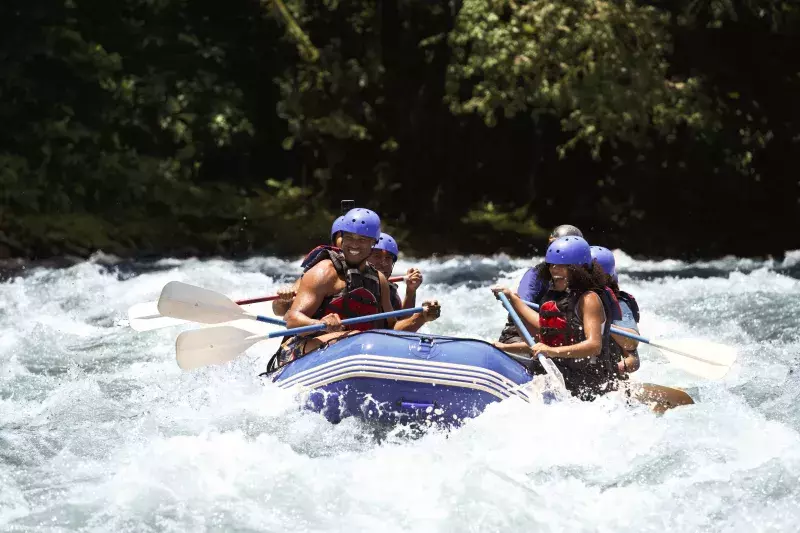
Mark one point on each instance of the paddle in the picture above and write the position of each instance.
(196, 304)
(549, 366)
(714, 364)
(146, 317)
(221, 344)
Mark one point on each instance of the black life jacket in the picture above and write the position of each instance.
(560, 325)
(361, 295)
(613, 302)
(313, 257)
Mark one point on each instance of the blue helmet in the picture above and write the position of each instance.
(569, 251)
(605, 258)
(362, 222)
(338, 225)
(388, 244)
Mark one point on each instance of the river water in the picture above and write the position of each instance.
(101, 431)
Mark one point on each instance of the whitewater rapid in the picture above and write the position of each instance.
(101, 431)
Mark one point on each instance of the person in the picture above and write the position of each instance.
(340, 283)
(573, 323)
(383, 257)
(532, 288)
(286, 293)
(623, 348)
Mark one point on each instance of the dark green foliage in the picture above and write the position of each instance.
(146, 127)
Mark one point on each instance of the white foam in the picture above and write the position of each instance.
(100, 431)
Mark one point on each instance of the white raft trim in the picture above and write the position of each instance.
(402, 369)
(395, 374)
(400, 362)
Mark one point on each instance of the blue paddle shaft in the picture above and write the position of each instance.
(520, 326)
(614, 329)
(270, 320)
(515, 317)
(346, 322)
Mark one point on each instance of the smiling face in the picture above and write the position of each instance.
(383, 261)
(559, 275)
(356, 248)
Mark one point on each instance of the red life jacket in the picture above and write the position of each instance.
(555, 327)
(361, 295)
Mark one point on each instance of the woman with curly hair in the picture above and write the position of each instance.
(574, 321)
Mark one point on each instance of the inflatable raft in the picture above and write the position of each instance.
(398, 377)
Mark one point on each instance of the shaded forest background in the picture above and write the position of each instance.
(177, 127)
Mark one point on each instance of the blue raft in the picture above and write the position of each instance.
(398, 377)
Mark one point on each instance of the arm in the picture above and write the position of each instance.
(410, 299)
(431, 311)
(513, 347)
(626, 323)
(529, 317)
(286, 297)
(413, 281)
(630, 363)
(315, 284)
(386, 299)
(511, 339)
(411, 323)
(593, 316)
(625, 343)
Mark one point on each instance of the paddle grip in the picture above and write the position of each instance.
(346, 322)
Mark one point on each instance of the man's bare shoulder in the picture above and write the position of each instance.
(323, 273)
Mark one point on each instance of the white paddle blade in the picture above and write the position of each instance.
(151, 324)
(648, 351)
(553, 371)
(145, 317)
(212, 346)
(187, 302)
(700, 357)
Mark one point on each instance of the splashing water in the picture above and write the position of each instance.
(100, 430)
